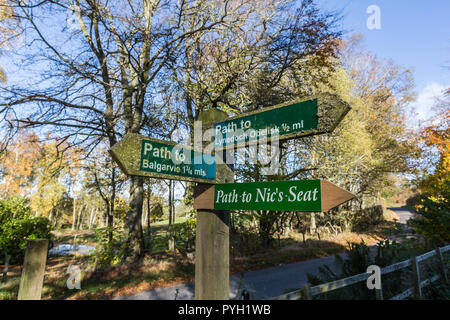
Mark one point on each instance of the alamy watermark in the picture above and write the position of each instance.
(74, 280)
(262, 147)
(373, 22)
(374, 280)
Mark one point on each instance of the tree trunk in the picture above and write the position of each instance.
(6, 266)
(173, 218)
(91, 218)
(265, 225)
(144, 212)
(149, 232)
(173, 203)
(50, 216)
(171, 243)
(57, 215)
(133, 221)
(110, 224)
(79, 222)
(312, 229)
(74, 214)
(170, 203)
(95, 218)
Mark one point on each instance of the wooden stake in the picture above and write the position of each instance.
(212, 243)
(32, 278)
(306, 294)
(212, 267)
(441, 265)
(379, 294)
(416, 275)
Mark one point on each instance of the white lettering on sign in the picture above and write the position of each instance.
(230, 197)
(231, 127)
(162, 152)
(267, 195)
(300, 196)
(166, 153)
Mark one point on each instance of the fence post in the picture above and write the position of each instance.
(245, 295)
(306, 294)
(441, 264)
(32, 277)
(416, 276)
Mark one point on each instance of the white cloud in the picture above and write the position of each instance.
(426, 99)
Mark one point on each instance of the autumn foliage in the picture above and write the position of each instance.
(433, 205)
(437, 136)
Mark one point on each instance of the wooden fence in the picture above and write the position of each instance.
(306, 292)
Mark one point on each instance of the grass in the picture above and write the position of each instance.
(153, 273)
(75, 236)
(104, 283)
(159, 234)
(9, 289)
(124, 280)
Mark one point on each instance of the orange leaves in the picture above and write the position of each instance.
(8, 25)
(32, 168)
(16, 164)
(438, 136)
(9, 28)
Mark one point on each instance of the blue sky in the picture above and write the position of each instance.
(414, 33)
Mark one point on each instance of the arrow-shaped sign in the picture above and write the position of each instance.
(138, 155)
(309, 116)
(298, 195)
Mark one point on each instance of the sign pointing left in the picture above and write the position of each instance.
(143, 156)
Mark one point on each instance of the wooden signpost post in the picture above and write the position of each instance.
(212, 242)
(215, 194)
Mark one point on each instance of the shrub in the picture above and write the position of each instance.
(186, 232)
(157, 212)
(411, 202)
(367, 218)
(359, 257)
(17, 225)
(245, 238)
(434, 218)
(108, 253)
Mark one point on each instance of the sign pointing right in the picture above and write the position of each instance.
(299, 195)
(306, 117)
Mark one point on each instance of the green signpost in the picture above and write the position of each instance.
(309, 116)
(301, 195)
(138, 155)
(147, 157)
(297, 195)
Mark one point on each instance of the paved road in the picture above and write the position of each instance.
(265, 283)
(262, 284)
(403, 214)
